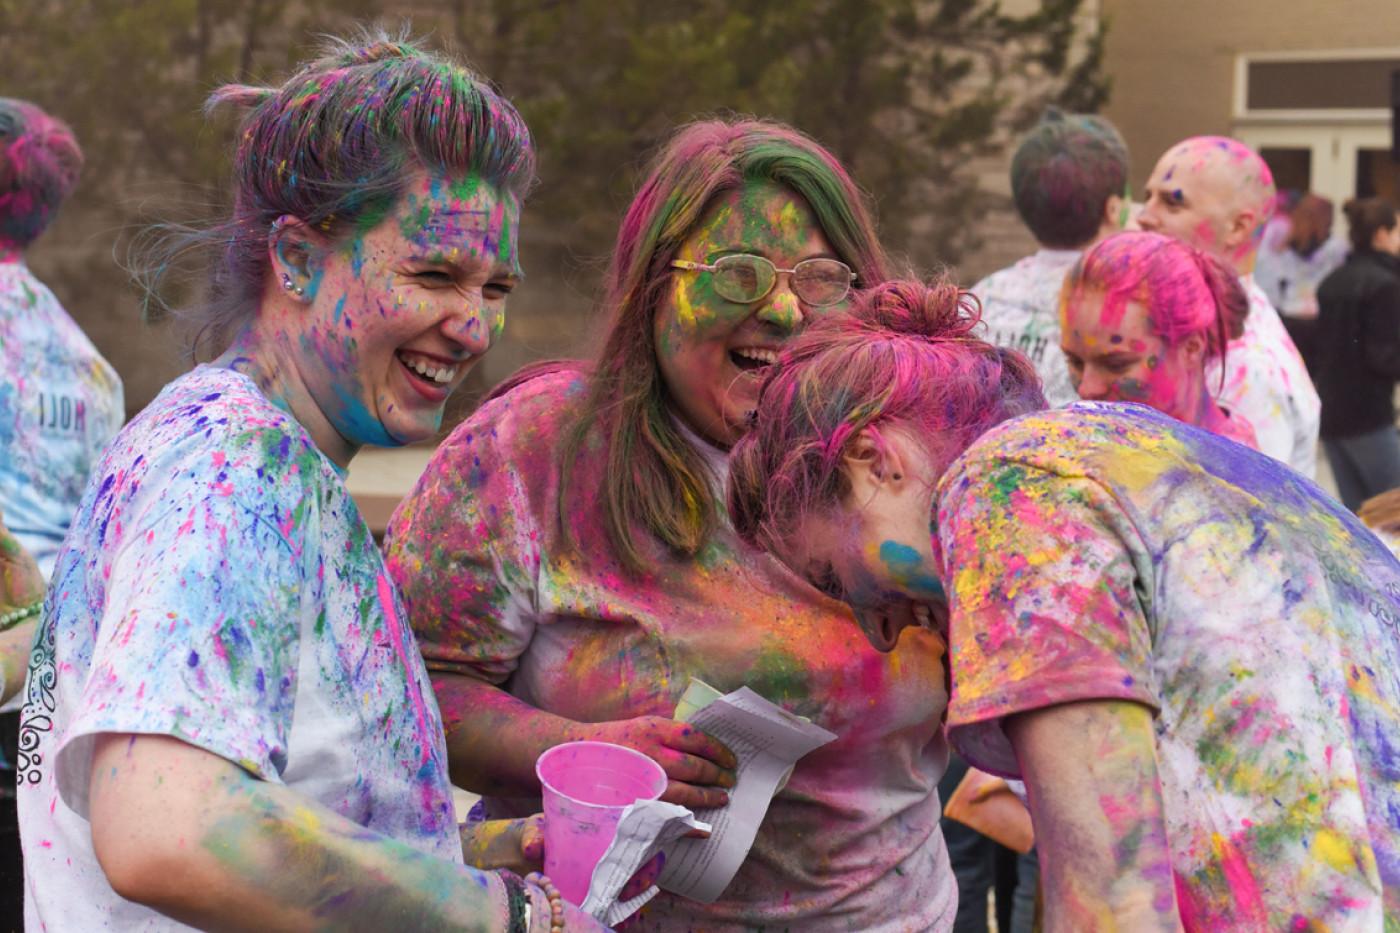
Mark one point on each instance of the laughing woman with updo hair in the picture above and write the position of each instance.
(227, 721)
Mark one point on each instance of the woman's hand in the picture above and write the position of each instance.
(699, 767)
(21, 583)
(517, 845)
(494, 739)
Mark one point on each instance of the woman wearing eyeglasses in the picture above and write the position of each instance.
(569, 568)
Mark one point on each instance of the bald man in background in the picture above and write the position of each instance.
(1216, 194)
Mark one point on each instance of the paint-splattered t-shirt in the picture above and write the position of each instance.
(219, 586)
(1268, 385)
(1021, 310)
(60, 403)
(852, 842)
(1108, 552)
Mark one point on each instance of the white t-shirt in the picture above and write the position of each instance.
(1108, 552)
(1290, 280)
(1021, 310)
(60, 403)
(220, 586)
(1267, 383)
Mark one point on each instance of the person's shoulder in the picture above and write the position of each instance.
(19, 286)
(218, 421)
(1012, 276)
(1382, 272)
(1076, 440)
(532, 410)
(22, 292)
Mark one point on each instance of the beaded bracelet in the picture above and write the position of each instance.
(15, 616)
(556, 900)
(517, 903)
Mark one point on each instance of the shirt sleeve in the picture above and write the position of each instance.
(464, 551)
(200, 629)
(1047, 591)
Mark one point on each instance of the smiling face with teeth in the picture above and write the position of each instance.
(400, 312)
(712, 351)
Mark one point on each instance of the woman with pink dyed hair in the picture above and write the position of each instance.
(569, 567)
(1184, 648)
(1141, 316)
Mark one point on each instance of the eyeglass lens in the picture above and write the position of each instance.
(816, 282)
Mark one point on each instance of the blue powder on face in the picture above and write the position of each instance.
(908, 568)
(356, 424)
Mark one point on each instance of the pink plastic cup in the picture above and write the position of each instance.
(587, 785)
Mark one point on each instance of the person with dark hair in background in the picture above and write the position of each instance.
(60, 403)
(1069, 179)
(1358, 355)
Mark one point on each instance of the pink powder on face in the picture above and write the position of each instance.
(1183, 290)
(1204, 235)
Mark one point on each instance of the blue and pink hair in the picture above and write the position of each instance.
(904, 357)
(39, 166)
(1185, 291)
(335, 145)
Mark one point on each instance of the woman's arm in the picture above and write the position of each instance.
(493, 740)
(197, 838)
(1091, 772)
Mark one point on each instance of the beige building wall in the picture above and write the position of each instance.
(1173, 63)
(1004, 238)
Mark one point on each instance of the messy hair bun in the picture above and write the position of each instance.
(905, 355)
(937, 309)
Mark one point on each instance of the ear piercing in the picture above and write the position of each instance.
(291, 286)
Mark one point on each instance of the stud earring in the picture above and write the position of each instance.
(287, 282)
